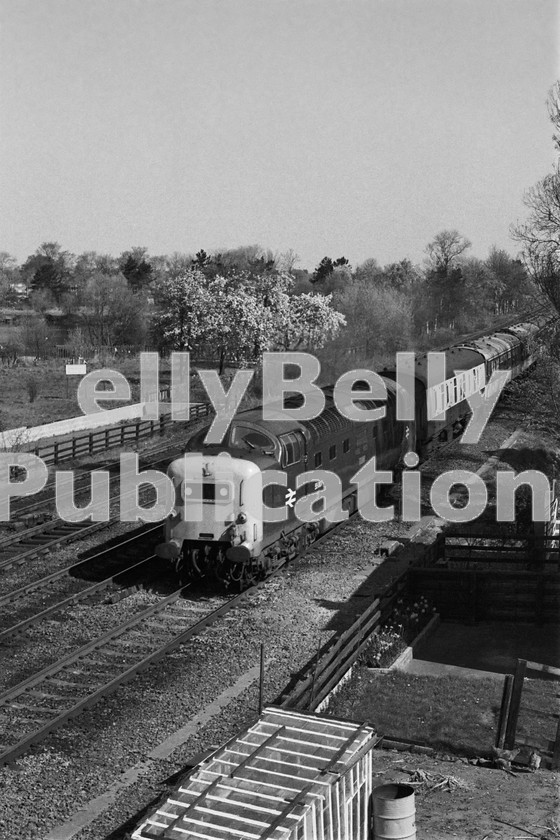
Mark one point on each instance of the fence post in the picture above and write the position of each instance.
(473, 596)
(504, 711)
(91, 443)
(122, 434)
(556, 751)
(316, 663)
(539, 598)
(55, 452)
(73, 447)
(261, 684)
(515, 703)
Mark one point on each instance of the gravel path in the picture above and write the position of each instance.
(292, 615)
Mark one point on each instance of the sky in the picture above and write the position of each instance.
(336, 127)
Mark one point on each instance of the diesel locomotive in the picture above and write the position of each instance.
(231, 539)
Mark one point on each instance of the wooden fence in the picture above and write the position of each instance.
(479, 595)
(511, 706)
(92, 442)
(471, 578)
(336, 658)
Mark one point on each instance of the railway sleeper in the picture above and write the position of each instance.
(114, 654)
(33, 692)
(42, 710)
(65, 684)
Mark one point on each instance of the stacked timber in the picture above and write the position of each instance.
(289, 776)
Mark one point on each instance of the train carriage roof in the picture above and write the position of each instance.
(522, 331)
(491, 346)
(456, 359)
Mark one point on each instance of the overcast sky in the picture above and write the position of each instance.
(357, 128)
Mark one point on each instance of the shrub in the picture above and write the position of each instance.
(32, 386)
(403, 625)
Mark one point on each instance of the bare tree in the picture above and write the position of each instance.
(445, 248)
(286, 260)
(540, 234)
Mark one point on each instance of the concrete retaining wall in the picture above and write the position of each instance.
(17, 438)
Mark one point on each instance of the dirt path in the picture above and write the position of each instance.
(529, 801)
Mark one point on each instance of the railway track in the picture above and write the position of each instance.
(46, 700)
(22, 545)
(118, 564)
(23, 508)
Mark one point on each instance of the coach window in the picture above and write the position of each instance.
(332, 452)
(318, 459)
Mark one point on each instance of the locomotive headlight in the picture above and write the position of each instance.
(242, 518)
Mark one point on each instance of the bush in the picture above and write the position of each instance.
(403, 625)
(32, 386)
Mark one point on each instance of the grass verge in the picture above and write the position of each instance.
(452, 714)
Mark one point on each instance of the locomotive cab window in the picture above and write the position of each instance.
(245, 437)
(318, 459)
(207, 491)
(346, 445)
(332, 452)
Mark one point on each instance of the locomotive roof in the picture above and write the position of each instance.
(276, 427)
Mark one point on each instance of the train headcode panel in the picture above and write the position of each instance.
(289, 776)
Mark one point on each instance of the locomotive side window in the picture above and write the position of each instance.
(318, 459)
(292, 448)
(332, 452)
(346, 445)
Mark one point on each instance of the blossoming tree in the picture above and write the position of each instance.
(241, 315)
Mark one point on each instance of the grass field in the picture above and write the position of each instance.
(55, 397)
(458, 715)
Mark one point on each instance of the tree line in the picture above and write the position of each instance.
(232, 305)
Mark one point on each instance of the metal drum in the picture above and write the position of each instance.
(394, 812)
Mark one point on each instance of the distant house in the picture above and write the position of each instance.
(11, 317)
(19, 289)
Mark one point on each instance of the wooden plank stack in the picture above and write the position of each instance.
(289, 776)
